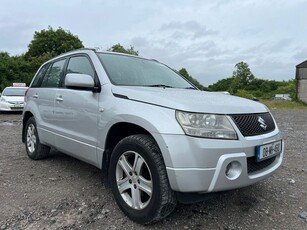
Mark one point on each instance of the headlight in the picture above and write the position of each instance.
(2, 99)
(206, 125)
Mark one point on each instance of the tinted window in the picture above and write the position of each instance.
(39, 76)
(80, 65)
(54, 73)
(127, 70)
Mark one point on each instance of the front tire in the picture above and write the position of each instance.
(34, 148)
(139, 181)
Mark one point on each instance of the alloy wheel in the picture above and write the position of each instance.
(31, 138)
(134, 181)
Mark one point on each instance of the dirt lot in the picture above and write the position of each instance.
(63, 193)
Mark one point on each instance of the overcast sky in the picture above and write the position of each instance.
(206, 37)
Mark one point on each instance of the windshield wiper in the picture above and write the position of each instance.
(160, 85)
(190, 87)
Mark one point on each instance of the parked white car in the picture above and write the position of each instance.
(12, 99)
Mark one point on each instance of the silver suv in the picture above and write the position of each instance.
(155, 136)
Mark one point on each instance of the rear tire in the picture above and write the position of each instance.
(139, 181)
(34, 148)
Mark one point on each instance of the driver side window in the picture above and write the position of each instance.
(80, 65)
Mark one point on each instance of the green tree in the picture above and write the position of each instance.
(183, 72)
(14, 69)
(245, 94)
(52, 42)
(244, 84)
(4, 69)
(120, 49)
(288, 87)
(45, 45)
(242, 77)
(221, 85)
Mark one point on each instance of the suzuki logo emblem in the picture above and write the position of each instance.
(263, 125)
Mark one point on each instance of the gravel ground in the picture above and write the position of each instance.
(63, 193)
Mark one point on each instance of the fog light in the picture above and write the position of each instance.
(233, 170)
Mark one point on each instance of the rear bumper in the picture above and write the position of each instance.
(202, 165)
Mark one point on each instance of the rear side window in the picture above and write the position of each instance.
(54, 73)
(39, 76)
(80, 65)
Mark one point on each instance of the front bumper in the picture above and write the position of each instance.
(200, 165)
(4, 106)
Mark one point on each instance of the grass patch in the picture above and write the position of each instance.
(279, 104)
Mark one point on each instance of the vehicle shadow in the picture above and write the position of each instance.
(62, 158)
(10, 112)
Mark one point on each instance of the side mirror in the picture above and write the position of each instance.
(79, 81)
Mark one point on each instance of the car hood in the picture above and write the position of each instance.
(19, 99)
(190, 100)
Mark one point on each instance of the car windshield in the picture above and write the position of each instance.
(14, 92)
(135, 71)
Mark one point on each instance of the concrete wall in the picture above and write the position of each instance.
(301, 73)
(302, 90)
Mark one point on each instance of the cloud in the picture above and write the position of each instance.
(276, 46)
(191, 28)
(15, 35)
(206, 37)
(301, 54)
(139, 42)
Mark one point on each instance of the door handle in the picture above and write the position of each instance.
(35, 96)
(59, 98)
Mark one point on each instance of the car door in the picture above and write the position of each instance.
(76, 113)
(42, 93)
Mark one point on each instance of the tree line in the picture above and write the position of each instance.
(243, 83)
(49, 43)
(45, 45)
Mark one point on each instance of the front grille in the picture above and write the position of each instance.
(249, 124)
(16, 102)
(253, 165)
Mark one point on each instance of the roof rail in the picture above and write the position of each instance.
(93, 49)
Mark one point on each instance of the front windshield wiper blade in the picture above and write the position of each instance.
(190, 87)
(160, 85)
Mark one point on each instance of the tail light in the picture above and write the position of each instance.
(26, 94)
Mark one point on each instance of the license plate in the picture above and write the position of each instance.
(269, 150)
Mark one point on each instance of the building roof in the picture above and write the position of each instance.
(302, 65)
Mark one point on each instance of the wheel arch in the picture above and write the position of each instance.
(115, 134)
